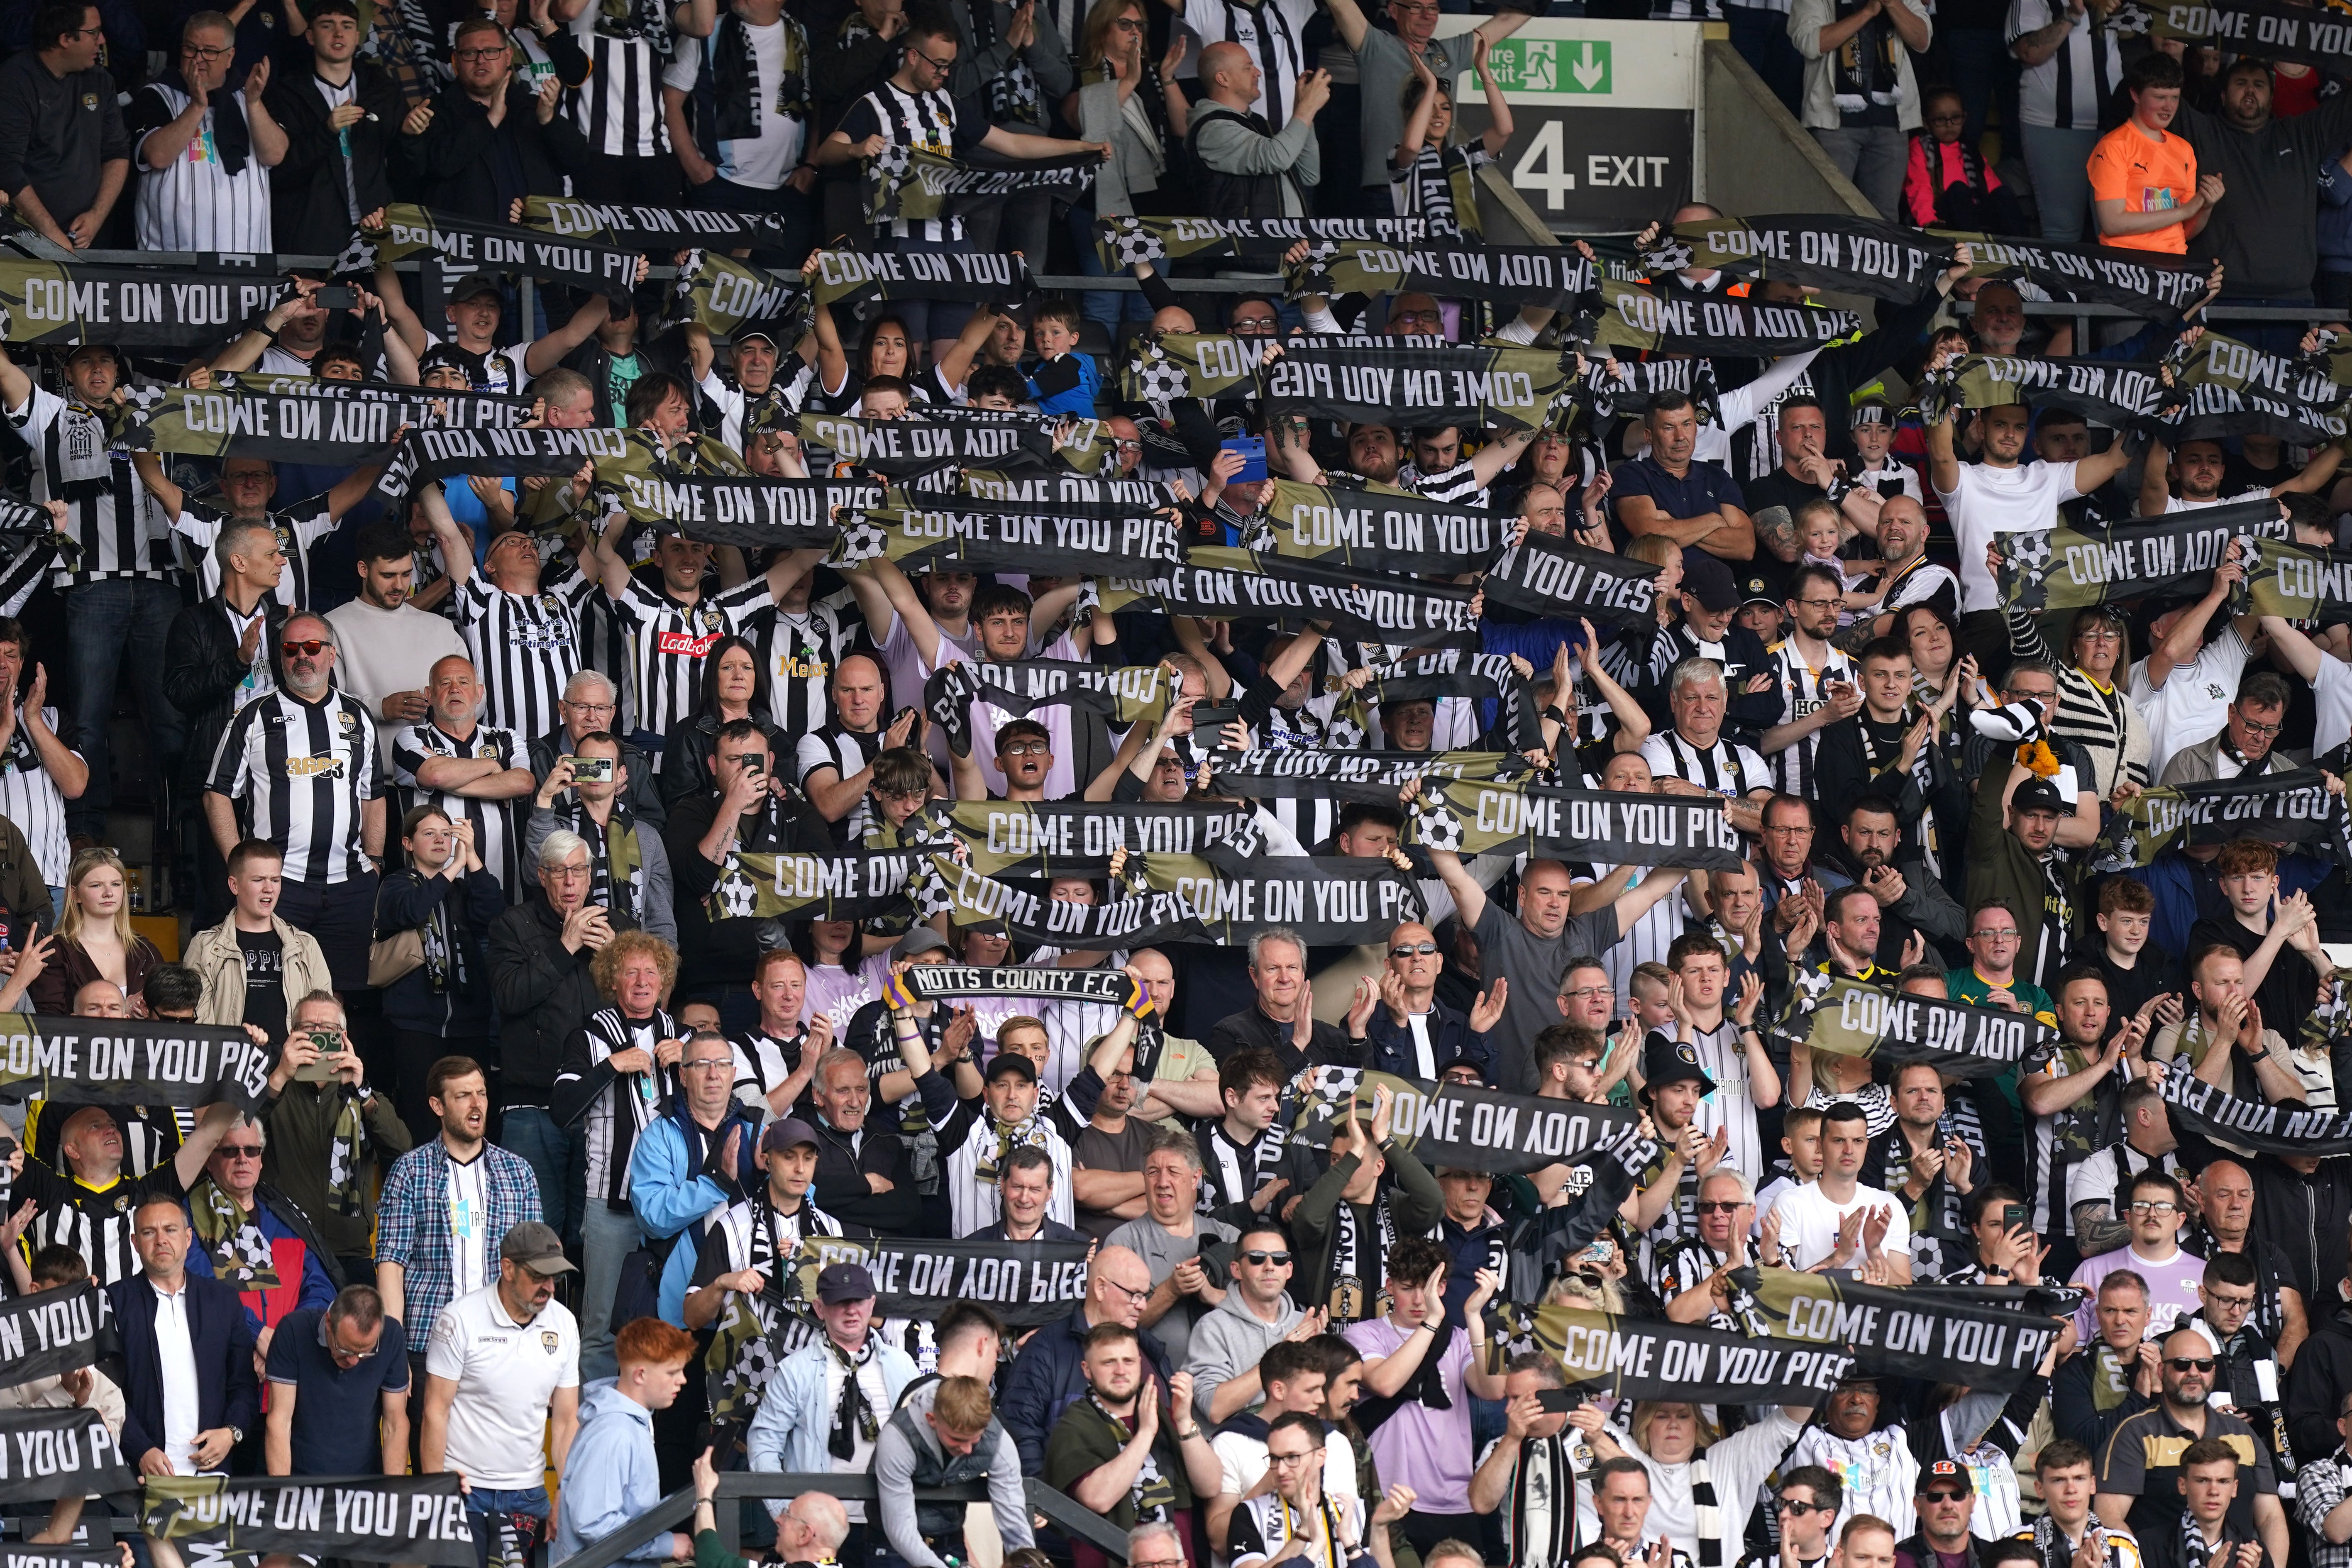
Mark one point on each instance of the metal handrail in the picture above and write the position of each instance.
(1065, 1512)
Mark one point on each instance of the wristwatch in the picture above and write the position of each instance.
(236, 1434)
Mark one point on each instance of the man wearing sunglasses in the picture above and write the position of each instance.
(1410, 1030)
(1255, 1314)
(300, 767)
(2141, 1472)
(1808, 1502)
(1945, 1503)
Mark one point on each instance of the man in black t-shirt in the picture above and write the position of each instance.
(256, 967)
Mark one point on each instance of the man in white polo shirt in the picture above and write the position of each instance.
(2000, 493)
(504, 1359)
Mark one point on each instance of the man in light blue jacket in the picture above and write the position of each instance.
(612, 1475)
(669, 1188)
(826, 1402)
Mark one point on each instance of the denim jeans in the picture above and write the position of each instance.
(1873, 157)
(2059, 162)
(607, 1237)
(1106, 306)
(488, 1511)
(551, 1152)
(104, 621)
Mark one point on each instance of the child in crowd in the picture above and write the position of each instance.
(1066, 382)
(1948, 185)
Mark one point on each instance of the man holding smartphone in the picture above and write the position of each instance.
(748, 809)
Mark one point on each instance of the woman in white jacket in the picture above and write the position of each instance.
(1700, 1492)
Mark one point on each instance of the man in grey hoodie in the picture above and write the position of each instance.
(944, 1433)
(1255, 1314)
(612, 1475)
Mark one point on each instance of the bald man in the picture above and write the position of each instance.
(1249, 170)
(473, 772)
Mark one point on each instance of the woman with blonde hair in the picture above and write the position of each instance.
(95, 941)
(617, 1076)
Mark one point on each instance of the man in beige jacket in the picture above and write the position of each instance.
(255, 966)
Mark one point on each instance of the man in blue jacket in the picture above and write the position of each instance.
(612, 1475)
(705, 1129)
(167, 1312)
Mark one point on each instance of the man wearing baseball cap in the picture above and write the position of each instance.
(739, 1247)
(1946, 1502)
(730, 397)
(2017, 861)
(503, 1363)
(826, 1402)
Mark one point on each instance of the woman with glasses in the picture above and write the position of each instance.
(2092, 709)
(1133, 103)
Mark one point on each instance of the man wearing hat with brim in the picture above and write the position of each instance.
(826, 1402)
(1710, 598)
(739, 1248)
(1672, 1084)
(755, 351)
(476, 304)
(504, 1364)
(1946, 1502)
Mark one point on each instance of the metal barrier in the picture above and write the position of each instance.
(1063, 1512)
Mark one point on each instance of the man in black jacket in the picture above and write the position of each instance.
(752, 810)
(541, 951)
(217, 659)
(219, 1338)
(487, 138)
(339, 116)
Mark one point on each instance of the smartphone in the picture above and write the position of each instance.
(1252, 451)
(2012, 1215)
(592, 769)
(336, 298)
(1210, 718)
(1944, 1134)
(1559, 1401)
(321, 1071)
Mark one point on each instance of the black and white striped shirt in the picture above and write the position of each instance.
(1458, 484)
(1722, 768)
(29, 798)
(108, 511)
(93, 1221)
(300, 772)
(1801, 693)
(495, 838)
(800, 651)
(668, 642)
(1274, 32)
(525, 647)
(298, 527)
(923, 120)
(848, 753)
(193, 203)
(618, 108)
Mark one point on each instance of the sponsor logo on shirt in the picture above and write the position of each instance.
(314, 767)
(686, 644)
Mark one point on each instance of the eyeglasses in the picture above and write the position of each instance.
(1292, 1458)
(1130, 25)
(308, 649)
(1025, 749)
(241, 1150)
(588, 707)
(2190, 1363)
(1587, 994)
(2002, 933)
(2156, 1208)
(1260, 1259)
(353, 1357)
(1409, 949)
(203, 54)
(712, 1064)
(2217, 1298)
(465, 56)
(1798, 1507)
(946, 65)
(1819, 604)
(1792, 830)
(2098, 634)
(1128, 1289)
(2261, 731)
(1417, 316)
(1254, 326)
(1126, 446)
(1719, 1206)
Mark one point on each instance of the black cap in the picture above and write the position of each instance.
(478, 283)
(842, 1282)
(2040, 795)
(1012, 1062)
(1666, 1061)
(1710, 581)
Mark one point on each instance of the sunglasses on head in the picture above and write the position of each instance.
(308, 649)
(1259, 1259)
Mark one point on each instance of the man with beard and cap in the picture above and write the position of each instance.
(2140, 1469)
(2015, 862)
(1674, 1086)
(1946, 1502)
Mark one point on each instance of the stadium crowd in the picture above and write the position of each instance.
(455, 806)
